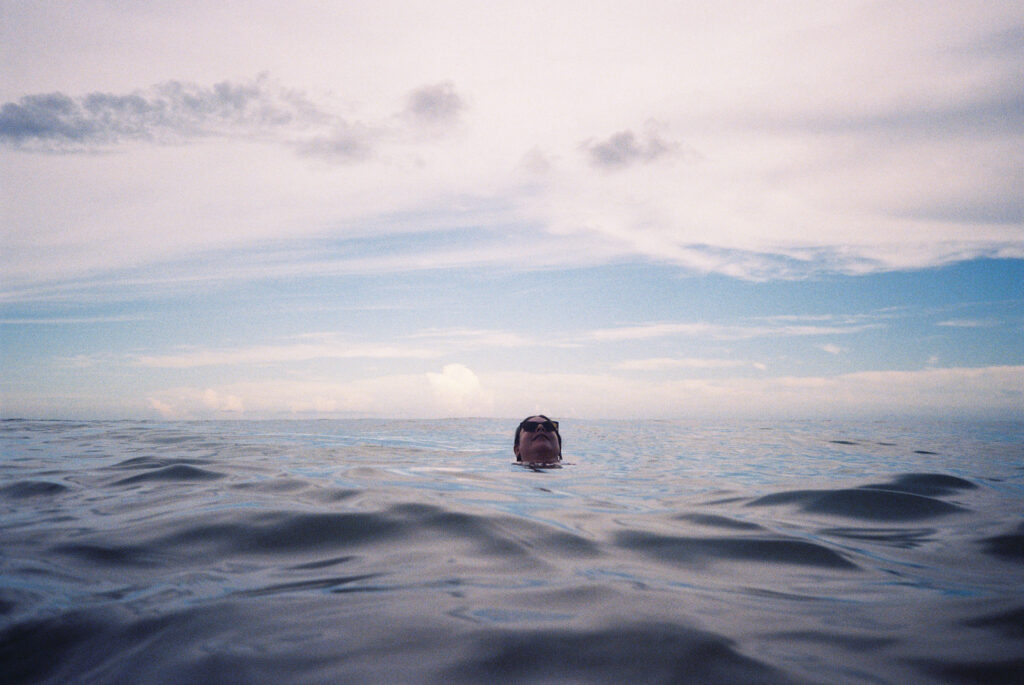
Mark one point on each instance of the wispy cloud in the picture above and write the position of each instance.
(725, 332)
(423, 344)
(275, 354)
(466, 338)
(968, 323)
(664, 363)
(69, 320)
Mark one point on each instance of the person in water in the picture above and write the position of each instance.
(538, 441)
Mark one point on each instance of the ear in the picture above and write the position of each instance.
(515, 450)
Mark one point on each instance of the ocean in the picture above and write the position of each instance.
(372, 551)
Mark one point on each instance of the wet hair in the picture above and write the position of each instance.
(519, 429)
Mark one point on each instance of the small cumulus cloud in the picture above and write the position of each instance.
(222, 403)
(458, 390)
(434, 105)
(625, 148)
(830, 348)
(163, 408)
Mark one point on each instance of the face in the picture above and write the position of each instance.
(538, 447)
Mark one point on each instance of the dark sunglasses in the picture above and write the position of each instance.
(533, 426)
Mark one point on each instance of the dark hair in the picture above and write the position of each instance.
(519, 429)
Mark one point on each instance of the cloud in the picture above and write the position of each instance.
(222, 403)
(455, 391)
(662, 363)
(466, 338)
(724, 332)
(830, 348)
(625, 148)
(648, 331)
(947, 392)
(162, 408)
(968, 323)
(176, 111)
(434, 105)
(458, 390)
(815, 155)
(345, 143)
(169, 112)
(968, 392)
(432, 342)
(274, 354)
(70, 320)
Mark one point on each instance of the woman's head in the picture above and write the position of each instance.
(537, 440)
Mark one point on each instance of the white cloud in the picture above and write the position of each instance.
(68, 320)
(162, 408)
(831, 349)
(465, 338)
(458, 390)
(968, 323)
(661, 363)
(222, 403)
(651, 331)
(273, 354)
(431, 342)
(725, 332)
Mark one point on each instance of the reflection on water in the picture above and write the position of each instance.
(410, 551)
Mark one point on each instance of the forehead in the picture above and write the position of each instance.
(536, 418)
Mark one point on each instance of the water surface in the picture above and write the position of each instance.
(415, 552)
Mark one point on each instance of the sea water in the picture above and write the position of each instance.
(365, 551)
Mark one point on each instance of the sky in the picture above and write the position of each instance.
(446, 209)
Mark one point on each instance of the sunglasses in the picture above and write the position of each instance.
(534, 426)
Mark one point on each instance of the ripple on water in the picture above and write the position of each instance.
(32, 488)
(621, 653)
(1008, 546)
(863, 503)
(175, 472)
(703, 551)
